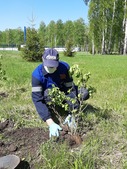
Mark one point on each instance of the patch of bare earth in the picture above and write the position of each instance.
(25, 142)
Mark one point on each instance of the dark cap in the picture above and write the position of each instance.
(50, 58)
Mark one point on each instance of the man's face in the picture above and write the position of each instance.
(50, 69)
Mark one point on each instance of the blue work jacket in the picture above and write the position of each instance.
(41, 80)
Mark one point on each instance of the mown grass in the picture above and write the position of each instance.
(104, 146)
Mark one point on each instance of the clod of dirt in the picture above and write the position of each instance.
(77, 139)
(1, 143)
(3, 125)
(73, 140)
(3, 94)
(12, 148)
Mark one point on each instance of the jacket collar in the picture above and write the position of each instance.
(43, 70)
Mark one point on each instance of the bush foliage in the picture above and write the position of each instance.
(34, 47)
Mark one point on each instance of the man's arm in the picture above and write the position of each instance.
(41, 107)
(38, 99)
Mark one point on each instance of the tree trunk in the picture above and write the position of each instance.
(110, 36)
(103, 43)
(103, 38)
(125, 39)
(125, 29)
(93, 47)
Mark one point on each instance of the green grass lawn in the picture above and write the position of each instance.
(105, 145)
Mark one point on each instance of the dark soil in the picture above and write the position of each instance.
(25, 142)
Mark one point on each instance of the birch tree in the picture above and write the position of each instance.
(105, 20)
(51, 33)
(111, 27)
(60, 33)
(79, 32)
(42, 33)
(69, 32)
(125, 23)
(92, 16)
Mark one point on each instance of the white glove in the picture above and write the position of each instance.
(54, 130)
(70, 120)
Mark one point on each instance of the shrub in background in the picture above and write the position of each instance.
(34, 47)
(69, 49)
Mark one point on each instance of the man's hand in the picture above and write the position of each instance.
(70, 120)
(53, 128)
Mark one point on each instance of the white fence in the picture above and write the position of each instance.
(76, 49)
(15, 49)
(59, 49)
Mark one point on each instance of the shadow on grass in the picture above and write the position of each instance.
(92, 116)
(98, 112)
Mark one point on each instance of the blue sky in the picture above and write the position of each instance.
(17, 13)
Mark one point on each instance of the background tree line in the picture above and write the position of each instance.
(55, 34)
(106, 32)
